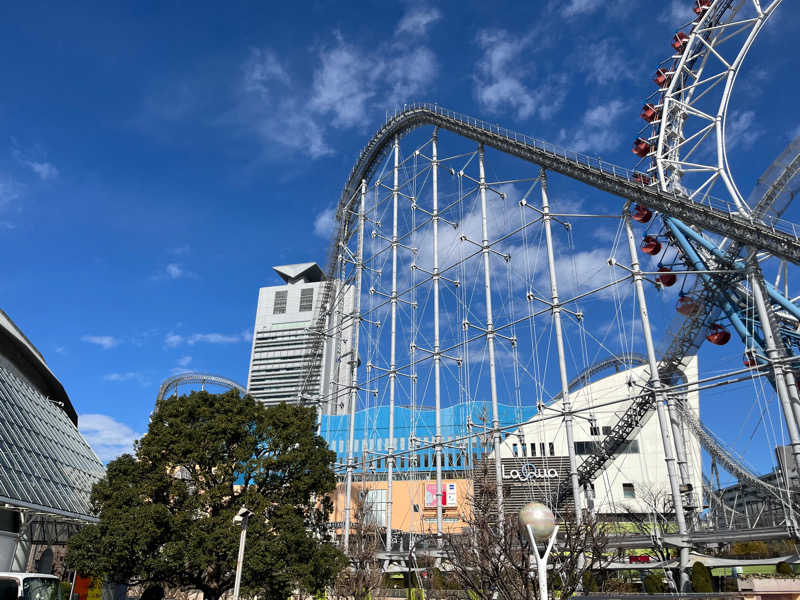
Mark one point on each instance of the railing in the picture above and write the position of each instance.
(631, 176)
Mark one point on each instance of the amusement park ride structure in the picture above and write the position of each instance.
(395, 208)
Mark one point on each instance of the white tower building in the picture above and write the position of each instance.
(283, 341)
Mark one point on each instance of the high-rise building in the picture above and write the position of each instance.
(281, 361)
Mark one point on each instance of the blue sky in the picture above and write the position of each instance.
(156, 159)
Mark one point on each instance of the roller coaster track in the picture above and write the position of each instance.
(724, 457)
(197, 378)
(710, 215)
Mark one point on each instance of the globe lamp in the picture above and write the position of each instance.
(540, 518)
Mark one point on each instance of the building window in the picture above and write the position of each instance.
(628, 491)
(306, 299)
(524, 449)
(533, 449)
(606, 429)
(541, 447)
(279, 307)
(593, 428)
(552, 447)
(515, 449)
(584, 448)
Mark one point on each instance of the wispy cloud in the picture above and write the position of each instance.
(174, 271)
(173, 340)
(676, 13)
(10, 190)
(580, 7)
(184, 361)
(106, 342)
(107, 437)
(140, 378)
(598, 130)
(325, 222)
(417, 20)
(42, 168)
(741, 130)
(348, 84)
(504, 77)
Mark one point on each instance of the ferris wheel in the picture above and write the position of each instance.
(468, 289)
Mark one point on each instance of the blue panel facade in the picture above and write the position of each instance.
(460, 452)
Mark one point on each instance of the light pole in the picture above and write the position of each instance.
(541, 526)
(241, 517)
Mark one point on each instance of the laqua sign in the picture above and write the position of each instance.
(527, 472)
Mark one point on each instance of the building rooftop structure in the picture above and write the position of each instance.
(47, 469)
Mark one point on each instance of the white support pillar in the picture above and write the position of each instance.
(663, 417)
(490, 333)
(353, 395)
(437, 355)
(393, 347)
(773, 355)
(562, 360)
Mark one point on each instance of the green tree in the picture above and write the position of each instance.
(701, 578)
(784, 568)
(166, 516)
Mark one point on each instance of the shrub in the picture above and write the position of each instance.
(784, 568)
(653, 584)
(701, 578)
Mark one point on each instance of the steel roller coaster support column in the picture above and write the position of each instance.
(562, 361)
(392, 347)
(663, 417)
(487, 278)
(773, 354)
(353, 392)
(437, 353)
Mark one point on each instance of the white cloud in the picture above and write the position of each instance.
(503, 75)
(417, 20)
(127, 376)
(580, 7)
(44, 170)
(262, 70)
(344, 83)
(740, 129)
(10, 190)
(213, 338)
(184, 361)
(325, 222)
(173, 340)
(106, 342)
(598, 130)
(174, 271)
(677, 13)
(107, 437)
(603, 62)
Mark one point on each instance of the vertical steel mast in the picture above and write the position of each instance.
(437, 353)
(393, 347)
(663, 417)
(487, 278)
(353, 395)
(562, 360)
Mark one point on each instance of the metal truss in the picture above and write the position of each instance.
(197, 378)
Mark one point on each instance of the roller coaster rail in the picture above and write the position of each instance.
(197, 378)
(778, 237)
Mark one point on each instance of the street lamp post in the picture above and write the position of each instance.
(541, 526)
(241, 517)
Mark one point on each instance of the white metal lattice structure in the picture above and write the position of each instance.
(690, 110)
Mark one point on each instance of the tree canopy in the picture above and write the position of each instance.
(166, 515)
